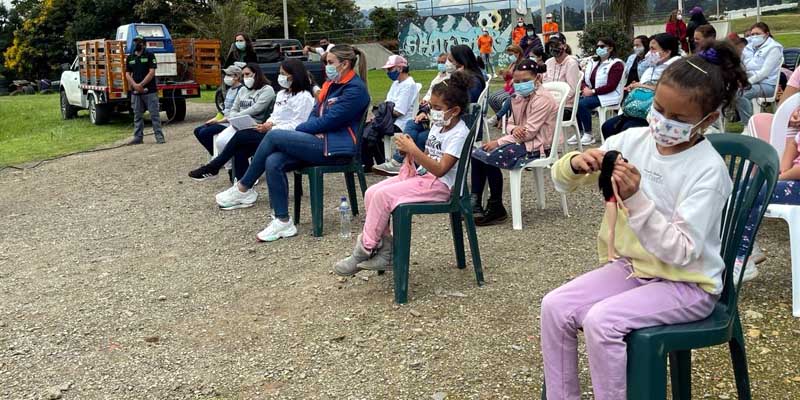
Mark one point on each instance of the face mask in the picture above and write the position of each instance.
(556, 51)
(530, 33)
(680, 17)
(667, 132)
(449, 67)
(524, 89)
(520, 24)
(331, 72)
(601, 52)
(442, 67)
(437, 118)
(139, 46)
(653, 57)
(638, 50)
(283, 80)
(393, 75)
(228, 80)
(241, 45)
(756, 40)
(249, 82)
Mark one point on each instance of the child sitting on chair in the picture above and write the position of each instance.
(668, 268)
(373, 248)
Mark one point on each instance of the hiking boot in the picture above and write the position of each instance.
(495, 214)
(389, 168)
(349, 265)
(382, 260)
(477, 208)
(160, 139)
(203, 173)
(135, 140)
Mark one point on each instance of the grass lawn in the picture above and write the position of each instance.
(776, 23)
(788, 39)
(31, 129)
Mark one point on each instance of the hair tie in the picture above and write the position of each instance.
(710, 55)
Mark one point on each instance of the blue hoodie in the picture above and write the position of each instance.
(338, 115)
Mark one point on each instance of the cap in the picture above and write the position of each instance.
(232, 70)
(395, 61)
(138, 37)
(548, 15)
(696, 10)
(556, 39)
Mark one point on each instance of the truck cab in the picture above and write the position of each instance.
(157, 41)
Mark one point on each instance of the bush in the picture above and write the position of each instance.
(615, 30)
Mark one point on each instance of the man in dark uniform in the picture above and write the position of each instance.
(141, 75)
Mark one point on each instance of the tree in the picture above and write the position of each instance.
(175, 14)
(384, 21)
(613, 29)
(96, 19)
(40, 45)
(312, 16)
(626, 9)
(224, 20)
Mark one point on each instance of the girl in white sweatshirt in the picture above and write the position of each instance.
(671, 184)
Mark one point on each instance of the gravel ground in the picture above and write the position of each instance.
(120, 279)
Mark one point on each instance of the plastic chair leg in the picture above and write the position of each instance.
(647, 373)
(739, 360)
(298, 196)
(387, 146)
(793, 218)
(680, 365)
(401, 229)
(515, 181)
(472, 235)
(458, 239)
(538, 174)
(362, 181)
(317, 190)
(564, 205)
(350, 181)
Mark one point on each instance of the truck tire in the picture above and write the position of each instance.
(99, 114)
(219, 99)
(68, 111)
(175, 109)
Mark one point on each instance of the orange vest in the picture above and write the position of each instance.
(517, 34)
(549, 27)
(485, 44)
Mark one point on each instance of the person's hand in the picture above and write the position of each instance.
(627, 178)
(490, 146)
(423, 103)
(519, 133)
(212, 121)
(404, 143)
(265, 127)
(421, 117)
(587, 162)
(794, 120)
(587, 92)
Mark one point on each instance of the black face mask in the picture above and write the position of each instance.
(139, 46)
(556, 51)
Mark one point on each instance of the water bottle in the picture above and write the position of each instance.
(344, 218)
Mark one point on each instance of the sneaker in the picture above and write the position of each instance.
(203, 173)
(587, 139)
(757, 254)
(750, 271)
(232, 198)
(277, 229)
(573, 140)
(492, 120)
(389, 168)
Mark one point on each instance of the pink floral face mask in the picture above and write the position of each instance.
(667, 132)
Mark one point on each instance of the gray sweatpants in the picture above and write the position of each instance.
(142, 103)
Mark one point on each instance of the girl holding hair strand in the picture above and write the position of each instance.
(669, 269)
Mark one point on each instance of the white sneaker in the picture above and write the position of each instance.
(573, 140)
(587, 139)
(276, 230)
(757, 255)
(232, 198)
(750, 271)
(389, 168)
(491, 121)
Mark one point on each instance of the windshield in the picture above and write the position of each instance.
(150, 31)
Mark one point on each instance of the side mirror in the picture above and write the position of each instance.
(65, 67)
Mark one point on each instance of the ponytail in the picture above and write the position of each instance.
(352, 55)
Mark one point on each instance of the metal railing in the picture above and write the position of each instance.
(432, 7)
(343, 36)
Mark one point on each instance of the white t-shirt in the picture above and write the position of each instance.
(451, 142)
(291, 110)
(321, 51)
(403, 95)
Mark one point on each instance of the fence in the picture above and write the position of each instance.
(349, 36)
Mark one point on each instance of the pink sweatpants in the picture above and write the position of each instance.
(382, 198)
(608, 305)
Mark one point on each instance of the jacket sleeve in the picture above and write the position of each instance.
(614, 76)
(353, 99)
(565, 179)
(771, 65)
(263, 97)
(537, 114)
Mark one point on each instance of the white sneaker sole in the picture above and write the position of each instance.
(384, 172)
(205, 178)
(279, 236)
(236, 206)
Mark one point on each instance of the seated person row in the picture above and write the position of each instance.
(600, 88)
(293, 105)
(253, 99)
(704, 37)
(460, 58)
(530, 135)
(328, 137)
(664, 50)
(762, 60)
(562, 67)
(635, 65)
(212, 127)
(390, 116)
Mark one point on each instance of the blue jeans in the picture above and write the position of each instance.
(418, 133)
(141, 103)
(504, 109)
(743, 104)
(584, 117)
(282, 151)
(786, 192)
(205, 135)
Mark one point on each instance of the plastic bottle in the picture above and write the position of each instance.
(344, 218)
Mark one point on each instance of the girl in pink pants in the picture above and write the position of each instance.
(672, 185)
(373, 248)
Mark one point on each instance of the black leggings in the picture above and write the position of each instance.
(241, 147)
(481, 173)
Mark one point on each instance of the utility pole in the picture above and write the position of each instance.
(285, 21)
(758, 10)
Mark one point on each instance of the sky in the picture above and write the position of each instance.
(368, 4)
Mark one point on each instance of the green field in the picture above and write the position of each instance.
(776, 23)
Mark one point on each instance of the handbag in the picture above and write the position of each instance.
(638, 103)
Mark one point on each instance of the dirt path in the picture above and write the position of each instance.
(101, 253)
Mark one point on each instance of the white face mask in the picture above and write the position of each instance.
(756, 40)
(228, 80)
(437, 118)
(283, 80)
(667, 132)
(249, 82)
(449, 67)
(638, 50)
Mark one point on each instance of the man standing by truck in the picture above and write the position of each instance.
(141, 75)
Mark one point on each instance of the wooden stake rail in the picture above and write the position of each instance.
(102, 64)
(198, 60)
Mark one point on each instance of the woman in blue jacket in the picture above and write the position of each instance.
(327, 138)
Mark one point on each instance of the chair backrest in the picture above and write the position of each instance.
(791, 56)
(483, 99)
(780, 122)
(753, 167)
(577, 96)
(473, 120)
(415, 100)
(559, 90)
(360, 132)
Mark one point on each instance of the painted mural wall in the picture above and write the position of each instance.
(422, 39)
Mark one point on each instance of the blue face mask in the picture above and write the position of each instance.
(441, 67)
(331, 72)
(524, 89)
(241, 45)
(601, 52)
(393, 75)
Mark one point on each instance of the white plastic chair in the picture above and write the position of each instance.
(760, 101)
(388, 143)
(789, 213)
(602, 112)
(483, 100)
(573, 121)
(559, 90)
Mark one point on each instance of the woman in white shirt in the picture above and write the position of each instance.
(293, 104)
(762, 61)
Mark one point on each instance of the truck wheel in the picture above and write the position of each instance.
(180, 110)
(99, 114)
(67, 110)
(219, 99)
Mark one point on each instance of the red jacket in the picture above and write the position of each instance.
(678, 29)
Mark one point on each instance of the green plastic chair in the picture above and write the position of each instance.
(753, 166)
(316, 186)
(458, 207)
